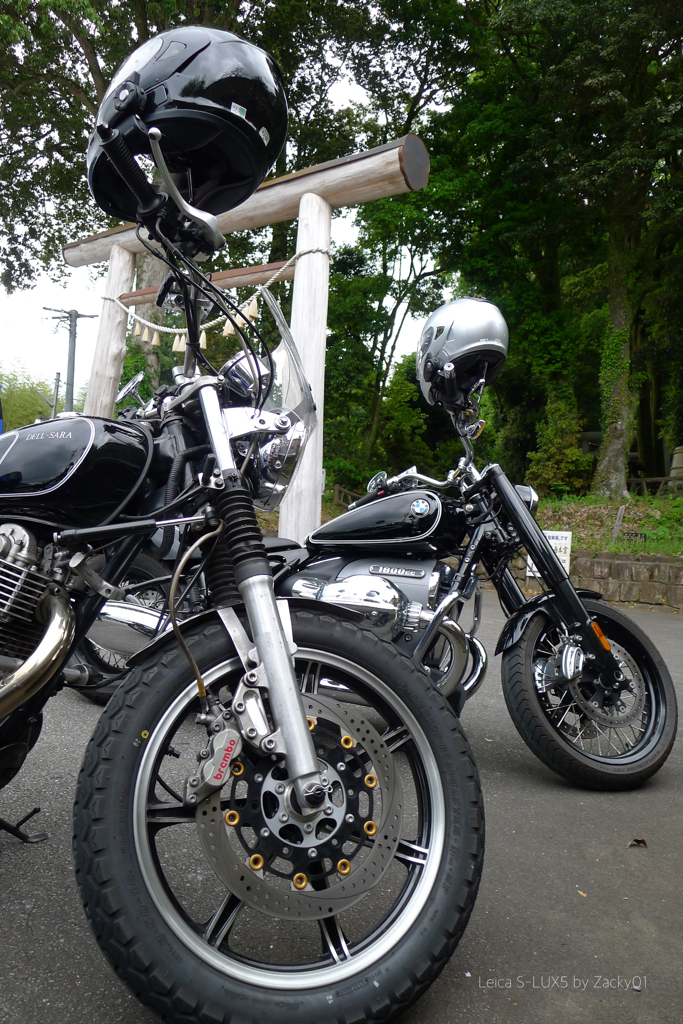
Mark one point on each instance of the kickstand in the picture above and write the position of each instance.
(18, 832)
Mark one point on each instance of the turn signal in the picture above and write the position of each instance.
(601, 636)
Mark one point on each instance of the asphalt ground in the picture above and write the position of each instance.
(571, 924)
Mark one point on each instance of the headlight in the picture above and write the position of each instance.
(275, 465)
(528, 496)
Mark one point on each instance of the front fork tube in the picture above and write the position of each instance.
(285, 699)
(454, 600)
(552, 571)
(272, 646)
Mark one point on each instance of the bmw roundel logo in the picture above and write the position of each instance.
(420, 507)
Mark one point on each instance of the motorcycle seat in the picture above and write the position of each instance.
(274, 544)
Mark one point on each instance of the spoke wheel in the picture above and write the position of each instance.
(598, 738)
(367, 904)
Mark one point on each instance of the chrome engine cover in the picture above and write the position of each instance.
(417, 579)
(22, 586)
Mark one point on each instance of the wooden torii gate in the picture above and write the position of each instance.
(311, 195)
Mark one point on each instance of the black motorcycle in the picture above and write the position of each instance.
(586, 688)
(278, 816)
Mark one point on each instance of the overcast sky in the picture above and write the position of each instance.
(29, 338)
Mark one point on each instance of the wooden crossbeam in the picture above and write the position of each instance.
(399, 166)
(240, 277)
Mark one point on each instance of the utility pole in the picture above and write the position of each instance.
(70, 316)
(55, 396)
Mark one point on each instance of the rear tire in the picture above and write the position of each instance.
(596, 747)
(149, 893)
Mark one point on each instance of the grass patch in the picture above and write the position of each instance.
(592, 519)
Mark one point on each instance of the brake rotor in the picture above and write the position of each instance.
(291, 865)
(620, 713)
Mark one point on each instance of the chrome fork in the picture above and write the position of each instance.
(270, 641)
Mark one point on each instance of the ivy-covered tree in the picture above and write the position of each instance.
(571, 124)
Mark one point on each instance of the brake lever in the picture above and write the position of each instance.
(206, 221)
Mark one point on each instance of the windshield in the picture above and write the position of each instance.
(290, 389)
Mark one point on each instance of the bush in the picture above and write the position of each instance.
(559, 466)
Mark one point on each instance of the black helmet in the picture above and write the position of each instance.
(220, 105)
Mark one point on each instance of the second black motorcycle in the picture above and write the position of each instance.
(585, 687)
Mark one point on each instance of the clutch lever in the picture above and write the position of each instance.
(208, 224)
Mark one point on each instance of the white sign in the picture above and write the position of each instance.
(561, 543)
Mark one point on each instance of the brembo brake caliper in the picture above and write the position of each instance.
(246, 721)
(225, 743)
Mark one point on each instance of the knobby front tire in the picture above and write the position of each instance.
(187, 944)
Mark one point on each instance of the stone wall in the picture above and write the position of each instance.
(621, 578)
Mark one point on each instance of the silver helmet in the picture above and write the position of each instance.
(462, 342)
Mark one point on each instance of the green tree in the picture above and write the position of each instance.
(608, 76)
(58, 57)
(21, 401)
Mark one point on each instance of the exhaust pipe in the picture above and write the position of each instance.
(458, 652)
(468, 687)
(40, 667)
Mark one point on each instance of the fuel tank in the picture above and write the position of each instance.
(406, 520)
(73, 470)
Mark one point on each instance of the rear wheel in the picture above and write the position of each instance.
(259, 916)
(597, 739)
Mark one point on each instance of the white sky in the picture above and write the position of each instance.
(29, 339)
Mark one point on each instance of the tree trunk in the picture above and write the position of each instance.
(650, 448)
(149, 273)
(620, 402)
(375, 414)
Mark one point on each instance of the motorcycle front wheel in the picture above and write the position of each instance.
(238, 909)
(583, 734)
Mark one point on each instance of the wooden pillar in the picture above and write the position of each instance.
(110, 350)
(300, 510)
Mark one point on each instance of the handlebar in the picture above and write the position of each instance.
(121, 158)
(367, 498)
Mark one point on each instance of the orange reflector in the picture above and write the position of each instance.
(601, 636)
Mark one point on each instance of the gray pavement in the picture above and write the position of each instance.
(536, 950)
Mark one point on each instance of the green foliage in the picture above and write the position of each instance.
(372, 410)
(557, 168)
(20, 403)
(135, 361)
(403, 421)
(58, 57)
(555, 133)
(559, 466)
(591, 520)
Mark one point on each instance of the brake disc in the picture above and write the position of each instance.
(628, 707)
(301, 866)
